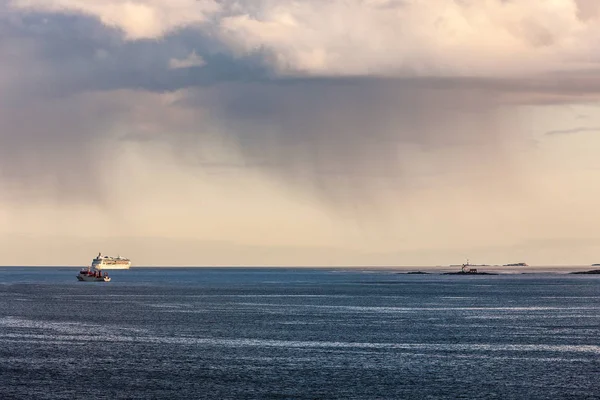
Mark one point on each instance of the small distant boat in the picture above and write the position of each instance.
(466, 268)
(521, 264)
(106, 262)
(89, 275)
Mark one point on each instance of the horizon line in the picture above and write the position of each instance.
(312, 266)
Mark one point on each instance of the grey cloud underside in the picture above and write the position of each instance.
(77, 54)
(344, 137)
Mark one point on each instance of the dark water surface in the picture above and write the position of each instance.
(297, 334)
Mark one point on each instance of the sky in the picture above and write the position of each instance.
(300, 133)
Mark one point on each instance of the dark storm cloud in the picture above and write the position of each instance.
(77, 53)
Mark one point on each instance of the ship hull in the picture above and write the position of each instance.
(90, 278)
(101, 267)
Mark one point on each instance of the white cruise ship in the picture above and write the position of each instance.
(106, 262)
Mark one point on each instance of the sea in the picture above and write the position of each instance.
(298, 333)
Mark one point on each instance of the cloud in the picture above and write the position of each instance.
(491, 39)
(580, 129)
(431, 38)
(369, 37)
(587, 9)
(138, 20)
(192, 60)
(55, 54)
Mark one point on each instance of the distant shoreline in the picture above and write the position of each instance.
(591, 272)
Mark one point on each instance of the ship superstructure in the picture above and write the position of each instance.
(106, 262)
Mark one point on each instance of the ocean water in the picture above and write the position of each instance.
(233, 333)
